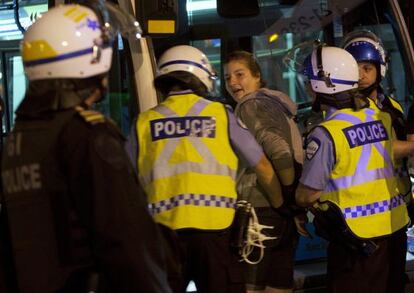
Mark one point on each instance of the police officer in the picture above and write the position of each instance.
(348, 176)
(368, 51)
(188, 149)
(77, 216)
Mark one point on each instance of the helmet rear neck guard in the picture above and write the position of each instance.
(351, 99)
(57, 94)
(180, 80)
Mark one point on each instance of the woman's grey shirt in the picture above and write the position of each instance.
(270, 117)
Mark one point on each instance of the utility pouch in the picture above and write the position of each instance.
(331, 226)
(238, 232)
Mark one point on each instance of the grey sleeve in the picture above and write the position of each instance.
(243, 143)
(131, 145)
(319, 159)
(269, 124)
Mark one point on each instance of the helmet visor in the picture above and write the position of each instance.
(114, 20)
(296, 58)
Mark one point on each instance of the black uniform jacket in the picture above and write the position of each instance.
(75, 209)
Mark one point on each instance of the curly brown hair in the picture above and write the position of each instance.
(250, 61)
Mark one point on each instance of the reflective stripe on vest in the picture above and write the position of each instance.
(362, 174)
(186, 163)
(211, 166)
(192, 199)
(401, 171)
(367, 195)
(373, 208)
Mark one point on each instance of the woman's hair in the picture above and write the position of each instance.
(250, 62)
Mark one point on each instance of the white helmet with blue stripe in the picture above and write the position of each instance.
(188, 59)
(74, 41)
(331, 70)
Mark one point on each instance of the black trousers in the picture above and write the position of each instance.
(382, 272)
(206, 258)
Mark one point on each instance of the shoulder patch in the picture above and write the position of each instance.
(90, 116)
(312, 147)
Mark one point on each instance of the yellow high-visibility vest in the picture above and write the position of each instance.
(186, 163)
(401, 170)
(363, 183)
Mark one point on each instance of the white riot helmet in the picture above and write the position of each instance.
(74, 41)
(188, 59)
(332, 70)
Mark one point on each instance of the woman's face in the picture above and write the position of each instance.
(239, 80)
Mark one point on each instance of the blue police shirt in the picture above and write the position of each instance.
(319, 159)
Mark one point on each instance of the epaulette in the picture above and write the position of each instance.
(90, 116)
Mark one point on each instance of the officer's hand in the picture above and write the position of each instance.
(300, 222)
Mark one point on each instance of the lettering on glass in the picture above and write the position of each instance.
(365, 133)
(193, 126)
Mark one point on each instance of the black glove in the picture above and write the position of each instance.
(289, 211)
(410, 210)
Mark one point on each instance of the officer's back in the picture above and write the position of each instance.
(77, 216)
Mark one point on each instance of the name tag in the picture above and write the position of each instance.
(365, 133)
(195, 126)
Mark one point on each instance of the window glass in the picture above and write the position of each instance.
(119, 103)
(2, 98)
(27, 14)
(280, 29)
(16, 83)
(212, 50)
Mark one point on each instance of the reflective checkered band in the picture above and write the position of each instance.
(373, 208)
(192, 199)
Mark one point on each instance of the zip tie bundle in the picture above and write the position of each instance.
(255, 238)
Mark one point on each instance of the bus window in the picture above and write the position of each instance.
(16, 83)
(281, 27)
(2, 97)
(212, 49)
(120, 101)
